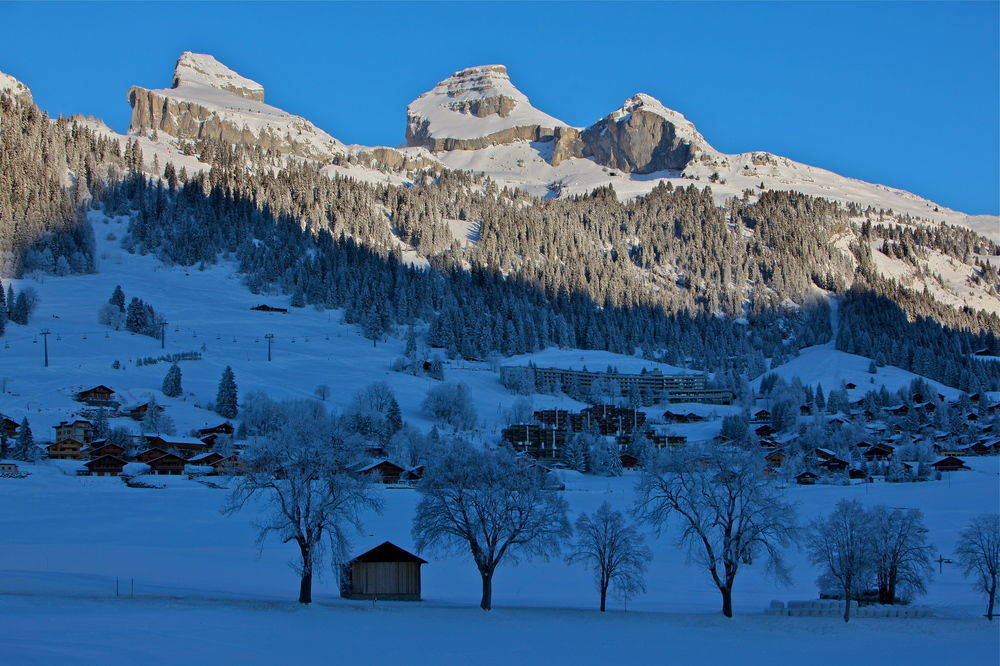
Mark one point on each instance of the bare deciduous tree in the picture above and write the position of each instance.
(297, 469)
(613, 549)
(901, 555)
(728, 512)
(488, 502)
(840, 543)
(978, 552)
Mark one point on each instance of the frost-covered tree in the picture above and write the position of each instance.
(978, 552)
(24, 443)
(901, 557)
(322, 392)
(373, 413)
(604, 457)
(298, 470)
(840, 544)
(574, 453)
(118, 298)
(613, 549)
(172, 382)
(728, 513)
(487, 502)
(156, 420)
(226, 398)
(450, 404)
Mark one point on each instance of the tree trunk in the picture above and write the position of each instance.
(604, 598)
(991, 597)
(306, 582)
(847, 604)
(306, 587)
(487, 601)
(727, 601)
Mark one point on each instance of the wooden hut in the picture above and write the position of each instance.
(949, 464)
(168, 464)
(386, 471)
(97, 396)
(66, 449)
(385, 572)
(806, 479)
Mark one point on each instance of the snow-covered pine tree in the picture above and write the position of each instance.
(172, 382)
(24, 444)
(226, 397)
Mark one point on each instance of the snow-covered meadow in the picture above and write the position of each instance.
(94, 572)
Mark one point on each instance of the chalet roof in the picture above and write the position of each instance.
(166, 457)
(97, 388)
(949, 460)
(105, 459)
(806, 475)
(388, 552)
(202, 456)
(379, 463)
(170, 439)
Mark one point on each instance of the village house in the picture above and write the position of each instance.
(66, 449)
(949, 464)
(8, 468)
(9, 426)
(878, 452)
(384, 470)
(629, 461)
(221, 429)
(806, 479)
(151, 454)
(833, 465)
(80, 430)
(385, 572)
(100, 448)
(138, 412)
(97, 396)
(186, 446)
(168, 464)
(105, 466)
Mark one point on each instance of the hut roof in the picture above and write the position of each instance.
(388, 552)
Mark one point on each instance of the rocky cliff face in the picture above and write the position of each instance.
(476, 108)
(643, 136)
(209, 100)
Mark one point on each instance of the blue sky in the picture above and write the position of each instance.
(904, 94)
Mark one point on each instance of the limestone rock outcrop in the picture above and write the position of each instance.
(476, 108)
(209, 100)
(643, 136)
(14, 88)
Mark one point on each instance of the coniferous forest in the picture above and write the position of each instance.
(670, 275)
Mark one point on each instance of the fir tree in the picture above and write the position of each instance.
(226, 397)
(118, 298)
(172, 382)
(24, 448)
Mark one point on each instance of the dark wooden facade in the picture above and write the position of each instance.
(168, 464)
(385, 572)
(105, 466)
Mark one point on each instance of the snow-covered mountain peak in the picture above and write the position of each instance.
(8, 84)
(203, 69)
(641, 102)
(474, 108)
(209, 100)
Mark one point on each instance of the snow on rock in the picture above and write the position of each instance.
(203, 69)
(594, 360)
(475, 108)
(209, 100)
(8, 84)
(643, 136)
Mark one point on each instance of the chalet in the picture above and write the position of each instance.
(805, 410)
(925, 407)
(267, 308)
(776, 458)
(837, 420)
(897, 410)
(824, 454)
(104, 449)
(769, 443)
(856, 473)
(138, 412)
(850, 386)
(206, 459)
(414, 474)
(9, 426)
(186, 446)
(949, 464)
(975, 398)
(97, 396)
(385, 572)
(80, 430)
(151, 454)
(386, 471)
(834, 465)
(880, 452)
(979, 449)
(676, 440)
(762, 416)
(806, 479)
(66, 449)
(229, 465)
(629, 461)
(765, 431)
(221, 429)
(690, 417)
(168, 464)
(972, 416)
(105, 465)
